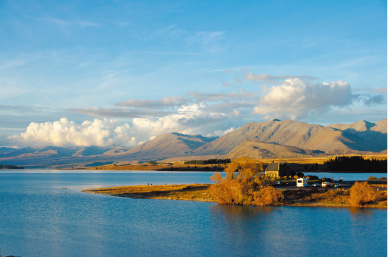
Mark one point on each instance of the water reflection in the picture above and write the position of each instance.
(245, 230)
(245, 212)
(355, 211)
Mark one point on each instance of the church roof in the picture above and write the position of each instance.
(273, 167)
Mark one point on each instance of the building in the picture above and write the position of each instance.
(275, 170)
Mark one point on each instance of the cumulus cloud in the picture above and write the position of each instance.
(234, 103)
(220, 133)
(189, 119)
(67, 133)
(295, 98)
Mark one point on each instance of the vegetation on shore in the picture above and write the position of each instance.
(179, 166)
(245, 184)
(201, 192)
(356, 164)
(297, 164)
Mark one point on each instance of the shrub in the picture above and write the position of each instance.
(243, 178)
(267, 196)
(362, 193)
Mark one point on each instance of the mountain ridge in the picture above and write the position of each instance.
(257, 140)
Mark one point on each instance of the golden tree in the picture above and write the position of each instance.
(243, 180)
(362, 193)
(267, 196)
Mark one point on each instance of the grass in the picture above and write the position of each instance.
(197, 192)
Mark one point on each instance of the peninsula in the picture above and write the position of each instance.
(246, 184)
(201, 192)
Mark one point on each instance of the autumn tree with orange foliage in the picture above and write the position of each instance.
(244, 184)
(362, 193)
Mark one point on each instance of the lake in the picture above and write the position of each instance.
(44, 213)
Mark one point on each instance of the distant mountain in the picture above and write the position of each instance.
(10, 152)
(163, 146)
(290, 133)
(168, 145)
(363, 125)
(91, 151)
(269, 139)
(373, 133)
(262, 150)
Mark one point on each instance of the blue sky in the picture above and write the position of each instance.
(76, 73)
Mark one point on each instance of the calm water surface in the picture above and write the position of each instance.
(45, 214)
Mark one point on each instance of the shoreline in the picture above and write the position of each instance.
(200, 193)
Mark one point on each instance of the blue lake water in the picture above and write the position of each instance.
(44, 213)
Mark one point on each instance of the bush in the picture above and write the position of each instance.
(267, 196)
(362, 193)
(244, 184)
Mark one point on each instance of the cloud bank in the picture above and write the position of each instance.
(68, 134)
(107, 132)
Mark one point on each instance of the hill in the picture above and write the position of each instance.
(262, 150)
(373, 133)
(168, 145)
(271, 139)
(163, 146)
(290, 133)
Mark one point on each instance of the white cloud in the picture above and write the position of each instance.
(189, 119)
(220, 133)
(295, 98)
(67, 134)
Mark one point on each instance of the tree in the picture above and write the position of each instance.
(362, 193)
(244, 179)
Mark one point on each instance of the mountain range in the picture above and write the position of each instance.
(265, 140)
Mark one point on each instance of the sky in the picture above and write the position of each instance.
(82, 73)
